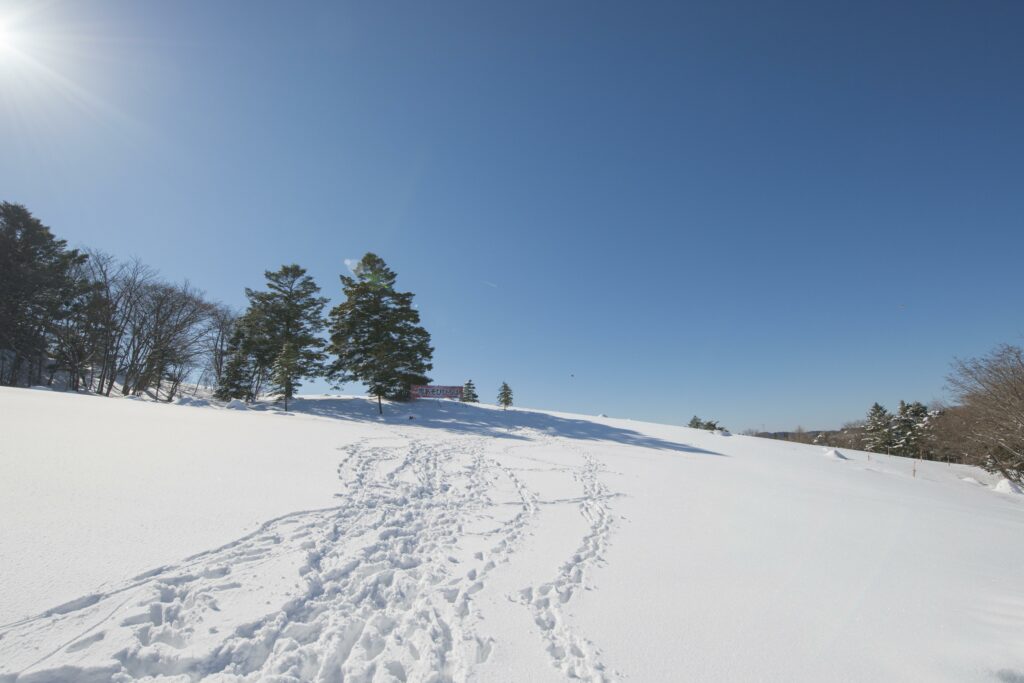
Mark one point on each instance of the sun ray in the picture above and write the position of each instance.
(35, 63)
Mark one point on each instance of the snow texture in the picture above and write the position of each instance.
(1007, 486)
(149, 542)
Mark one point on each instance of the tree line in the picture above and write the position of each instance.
(101, 324)
(982, 425)
(94, 321)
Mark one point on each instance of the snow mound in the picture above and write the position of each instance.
(971, 480)
(190, 401)
(236, 404)
(1007, 486)
(722, 432)
(833, 454)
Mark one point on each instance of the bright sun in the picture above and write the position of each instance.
(6, 36)
(11, 41)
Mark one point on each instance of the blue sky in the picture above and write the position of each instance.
(769, 213)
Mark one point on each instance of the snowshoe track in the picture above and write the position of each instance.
(377, 593)
(568, 648)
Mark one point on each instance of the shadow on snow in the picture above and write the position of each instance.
(474, 419)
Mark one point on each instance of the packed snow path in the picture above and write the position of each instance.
(382, 586)
(470, 544)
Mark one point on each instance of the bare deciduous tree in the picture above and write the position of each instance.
(990, 414)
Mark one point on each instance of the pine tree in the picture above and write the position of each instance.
(36, 281)
(291, 313)
(909, 427)
(376, 335)
(505, 396)
(902, 428)
(288, 312)
(286, 373)
(469, 393)
(695, 423)
(240, 378)
(878, 430)
(926, 434)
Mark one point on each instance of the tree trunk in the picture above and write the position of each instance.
(380, 406)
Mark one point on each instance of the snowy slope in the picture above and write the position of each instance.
(473, 544)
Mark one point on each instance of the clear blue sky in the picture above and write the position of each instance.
(770, 213)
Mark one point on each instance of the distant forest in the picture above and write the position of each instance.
(983, 425)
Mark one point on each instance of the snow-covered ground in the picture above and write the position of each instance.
(195, 542)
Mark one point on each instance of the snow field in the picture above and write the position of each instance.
(475, 544)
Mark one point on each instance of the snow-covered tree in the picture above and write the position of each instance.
(878, 432)
(695, 423)
(908, 427)
(376, 335)
(469, 393)
(505, 396)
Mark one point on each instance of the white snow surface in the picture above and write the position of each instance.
(833, 454)
(144, 541)
(1007, 486)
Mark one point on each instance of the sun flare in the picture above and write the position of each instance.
(8, 38)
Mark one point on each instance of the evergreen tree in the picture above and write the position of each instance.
(36, 283)
(376, 334)
(469, 393)
(291, 313)
(505, 396)
(909, 427)
(286, 373)
(240, 377)
(288, 312)
(878, 430)
(926, 434)
(76, 328)
(695, 423)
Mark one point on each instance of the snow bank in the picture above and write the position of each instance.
(833, 454)
(1007, 486)
(236, 404)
